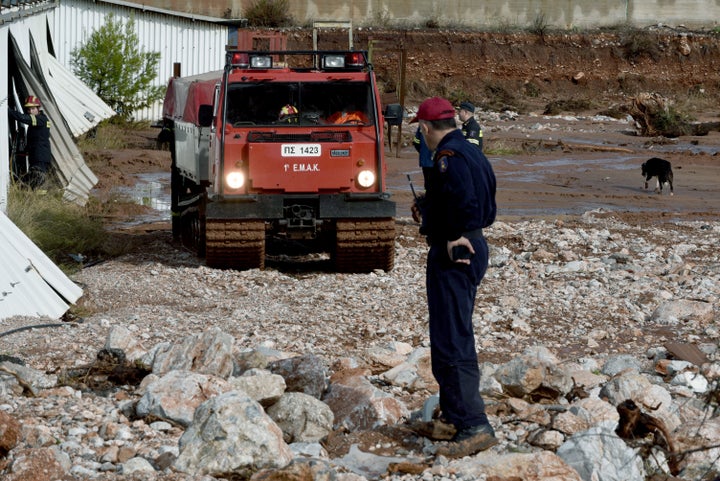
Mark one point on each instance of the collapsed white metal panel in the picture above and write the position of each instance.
(71, 106)
(30, 283)
(69, 164)
(4, 127)
(196, 42)
(80, 107)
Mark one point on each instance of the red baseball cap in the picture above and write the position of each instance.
(435, 108)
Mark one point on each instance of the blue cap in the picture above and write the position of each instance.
(467, 106)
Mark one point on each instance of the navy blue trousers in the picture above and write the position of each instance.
(451, 291)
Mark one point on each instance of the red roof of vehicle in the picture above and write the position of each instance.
(185, 95)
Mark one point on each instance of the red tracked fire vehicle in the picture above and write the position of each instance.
(282, 152)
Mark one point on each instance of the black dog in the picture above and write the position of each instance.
(661, 169)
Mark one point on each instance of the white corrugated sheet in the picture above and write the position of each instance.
(30, 283)
(81, 108)
(74, 174)
(197, 43)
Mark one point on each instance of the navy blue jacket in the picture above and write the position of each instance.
(472, 132)
(425, 158)
(460, 191)
(38, 138)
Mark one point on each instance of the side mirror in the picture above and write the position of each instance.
(393, 114)
(205, 115)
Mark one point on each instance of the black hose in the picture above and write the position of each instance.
(36, 326)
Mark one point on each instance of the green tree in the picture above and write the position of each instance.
(113, 65)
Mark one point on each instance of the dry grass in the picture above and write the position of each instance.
(114, 136)
(59, 228)
(105, 136)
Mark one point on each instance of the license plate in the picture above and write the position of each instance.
(301, 150)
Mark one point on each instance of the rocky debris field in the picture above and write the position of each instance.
(591, 329)
(573, 318)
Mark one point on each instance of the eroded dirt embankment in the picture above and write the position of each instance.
(525, 71)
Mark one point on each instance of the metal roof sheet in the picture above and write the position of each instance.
(74, 174)
(30, 283)
(80, 107)
(174, 13)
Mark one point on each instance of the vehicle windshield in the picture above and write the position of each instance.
(302, 104)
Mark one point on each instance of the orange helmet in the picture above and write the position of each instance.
(32, 101)
(287, 111)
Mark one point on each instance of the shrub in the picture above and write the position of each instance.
(539, 26)
(671, 123)
(531, 89)
(432, 23)
(556, 107)
(636, 44)
(500, 97)
(268, 13)
(496, 148)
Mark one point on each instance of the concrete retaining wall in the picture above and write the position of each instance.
(566, 14)
(510, 13)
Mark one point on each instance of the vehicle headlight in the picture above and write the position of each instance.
(235, 180)
(333, 61)
(258, 61)
(366, 178)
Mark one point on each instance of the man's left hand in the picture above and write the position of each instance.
(460, 242)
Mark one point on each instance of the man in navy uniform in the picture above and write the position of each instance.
(470, 127)
(38, 141)
(424, 155)
(459, 202)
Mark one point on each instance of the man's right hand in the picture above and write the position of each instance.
(416, 209)
(416, 215)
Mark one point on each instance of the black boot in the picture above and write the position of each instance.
(468, 441)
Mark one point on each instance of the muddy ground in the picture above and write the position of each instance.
(555, 167)
(551, 107)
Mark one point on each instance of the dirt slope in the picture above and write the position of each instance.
(525, 71)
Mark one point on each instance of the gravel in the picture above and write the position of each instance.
(583, 287)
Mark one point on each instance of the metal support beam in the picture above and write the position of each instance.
(333, 24)
(388, 46)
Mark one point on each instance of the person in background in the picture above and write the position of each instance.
(426, 163)
(348, 117)
(38, 141)
(459, 202)
(424, 155)
(470, 127)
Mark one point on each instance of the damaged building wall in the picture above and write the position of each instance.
(32, 70)
(30, 283)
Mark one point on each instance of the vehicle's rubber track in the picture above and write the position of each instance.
(236, 244)
(191, 229)
(364, 245)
